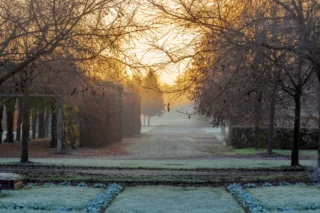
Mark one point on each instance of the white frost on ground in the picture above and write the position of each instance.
(295, 197)
(36, 211)
(10, 176)
(298, 211)
(51, 197)
(214, 163)
(163, 199)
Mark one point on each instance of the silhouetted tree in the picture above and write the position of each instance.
(152, 101)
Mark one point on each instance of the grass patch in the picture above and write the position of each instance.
(37, 211)
(51, 198)
(253, 151)
(298, 211)
(295, 197)
(174, 199)
(216, 163)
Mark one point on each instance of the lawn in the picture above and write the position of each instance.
(162, 199)
(295, 197)
(50, 198)
(37, 211)
(215, 163)
(253, 151)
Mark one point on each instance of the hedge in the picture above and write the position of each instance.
(131, 122)
(243, 137)
(100, 116)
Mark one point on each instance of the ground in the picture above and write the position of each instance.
(156, 199)
(161, 199)
(163, 167)
(164, 142)
(50, 198)
(295, 197)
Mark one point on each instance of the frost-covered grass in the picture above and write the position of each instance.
(298, 211)
(156, 199)
(244, 198)
(36, 211)
(49, 198)
(297, 198)
(215, 163)
(10, 176)
(251, 151)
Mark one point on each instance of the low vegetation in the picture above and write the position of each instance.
(174, 199)
(291, 197)
(48, 198)
(215, 163)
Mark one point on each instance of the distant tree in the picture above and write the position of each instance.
(152, 103)
(19, 121)
(1, 116)
(10, 108)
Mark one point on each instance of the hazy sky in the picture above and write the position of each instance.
(150, 49)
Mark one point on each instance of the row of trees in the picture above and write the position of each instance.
(254, 60)
(57, 49)
(41, 115)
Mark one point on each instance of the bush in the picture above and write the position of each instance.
(131, 122)
(243, 137)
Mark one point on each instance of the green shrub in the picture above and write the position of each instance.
(243, 137)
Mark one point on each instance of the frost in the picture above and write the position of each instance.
(99, 185)
(249, 185)
(82, 184)
(245, 199)
(49, 184)
(283, 209)
(65, 184)
(104, 199)
(284, 184)
(267, 184)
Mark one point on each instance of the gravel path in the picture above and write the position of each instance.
(174, 142)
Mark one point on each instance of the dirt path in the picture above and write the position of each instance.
(174, 142)
(217, 177)
(159, 142)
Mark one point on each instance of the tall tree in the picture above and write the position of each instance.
(152, 101)
(74, 27)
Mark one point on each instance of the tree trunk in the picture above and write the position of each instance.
(41, 128)
(149, 120)
(59, 129)
(10, 108)
(319, 122)
(53, 142)
(1, 116)
(296, 132)
(19, 121)
(25, 127)
(34, 123)
(271, 124)
(318, 75)
(46, 123)
(223, 129)
(257, 125)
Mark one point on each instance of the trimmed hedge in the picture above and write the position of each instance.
(243, 137)
(131, 122)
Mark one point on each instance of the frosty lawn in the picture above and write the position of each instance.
(50, 197)
(215, 163)
(298, 198)
(37, 211)
(174, 199)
